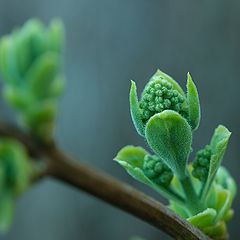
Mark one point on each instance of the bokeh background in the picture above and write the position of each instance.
(109, 42)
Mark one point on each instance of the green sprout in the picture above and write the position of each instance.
(200, 191)
(30, 63)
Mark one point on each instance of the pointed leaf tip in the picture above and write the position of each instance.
(134, 109)
(132, 155)
(193, 102)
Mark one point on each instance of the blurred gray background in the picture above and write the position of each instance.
(109, 42)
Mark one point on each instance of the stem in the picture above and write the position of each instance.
(192, 199)
(171, 194)
(116, 193)
(106, 188)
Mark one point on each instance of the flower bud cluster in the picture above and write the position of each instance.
(159, 95)
(157, 171)
(201, 163)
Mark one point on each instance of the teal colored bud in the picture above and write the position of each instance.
(56, 36)
(163, 93)
(31, 65)
(157, 171)
(148, 169)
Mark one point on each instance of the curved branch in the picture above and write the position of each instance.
(105, 187)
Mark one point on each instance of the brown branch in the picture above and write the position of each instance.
(106, 188)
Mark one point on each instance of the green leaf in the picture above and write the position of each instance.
(56, 35)
(57, 86)
(224, 178)
(228, 215)
(6, 212)
(132, 155)
(203, 219)
(193, 103)
(170, 137)
(135, 111)
(224, 202)
(34, 33)
(5, 66)
(181, 210)
(21, 99)
(218, 231)
(218, 146)
(42, 73)
(132, 158)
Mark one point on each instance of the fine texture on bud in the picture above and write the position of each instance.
(201, 163)
(157, 171)
(159, 95)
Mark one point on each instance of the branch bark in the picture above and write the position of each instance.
(107, 188)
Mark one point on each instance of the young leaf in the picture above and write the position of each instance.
(224, 202)
(135, 111)
(132, 155)
(42, 73)
(5, 66)
(218, 231)
(170, 137)
(218, 146)
(193, 102)
(225, 179)
(6, 211)
(56, 35)
(132, 158)
(203, 219)
(20, 99)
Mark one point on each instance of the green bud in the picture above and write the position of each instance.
(201, 164)
(157, 171)
(160, 95)
(146, 168)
